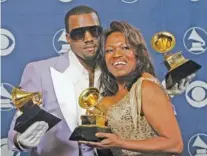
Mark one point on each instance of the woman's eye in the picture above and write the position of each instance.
(125, 48)
(108, 50)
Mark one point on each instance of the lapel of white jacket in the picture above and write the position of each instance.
(65, 90)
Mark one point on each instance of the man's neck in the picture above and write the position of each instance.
(88, 65)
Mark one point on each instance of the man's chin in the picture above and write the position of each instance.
(90, 57)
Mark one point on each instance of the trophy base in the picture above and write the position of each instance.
(33, 113)
(86, 133)
(182, 71)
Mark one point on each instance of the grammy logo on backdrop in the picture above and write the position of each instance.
(178, 66)
(198, 43)
(94, 121)
(202, 147)
(197, 145)
(28, 104)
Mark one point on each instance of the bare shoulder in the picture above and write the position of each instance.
(155, 99)
(150, 82)
(148, 76)
(151, 89)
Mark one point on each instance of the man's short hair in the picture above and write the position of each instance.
(78, 10)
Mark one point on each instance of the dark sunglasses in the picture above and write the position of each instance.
(79, 33)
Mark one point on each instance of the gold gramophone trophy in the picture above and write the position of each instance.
(94, 121)
(28, 103)
(178, 66)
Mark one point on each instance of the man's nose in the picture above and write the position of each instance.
(88, 37)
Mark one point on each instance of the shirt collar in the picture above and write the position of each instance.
(73, 60)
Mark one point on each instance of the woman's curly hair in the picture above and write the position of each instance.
(136, 42)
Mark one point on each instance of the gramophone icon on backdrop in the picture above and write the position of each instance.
(198, 43)
(178, 66)
(28, 105)
(201, 147)
(94, 121)
(65, 47)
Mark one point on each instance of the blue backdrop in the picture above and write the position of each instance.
(34, 30)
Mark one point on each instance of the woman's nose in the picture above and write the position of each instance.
(118, 52)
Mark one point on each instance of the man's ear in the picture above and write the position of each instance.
(68, 38)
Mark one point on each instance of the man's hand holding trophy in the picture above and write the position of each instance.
(32, 120)
(178, 67)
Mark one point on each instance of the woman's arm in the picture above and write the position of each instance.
(158, 111)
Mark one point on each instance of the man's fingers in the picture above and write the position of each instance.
(182, 84)
(179, 87)
(30, 131)
(43, 124)
(33, 126)
(187, 84)
(163, 83)
(34, 141)
(172, 90)
(35, 138)
(169, 92)
(34, 129)
(40, 130)
(190, 77)
(40, 133)
(18, 113)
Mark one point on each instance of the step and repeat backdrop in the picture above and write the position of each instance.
(34, 30)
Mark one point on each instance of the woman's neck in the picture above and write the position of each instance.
(122, 90)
